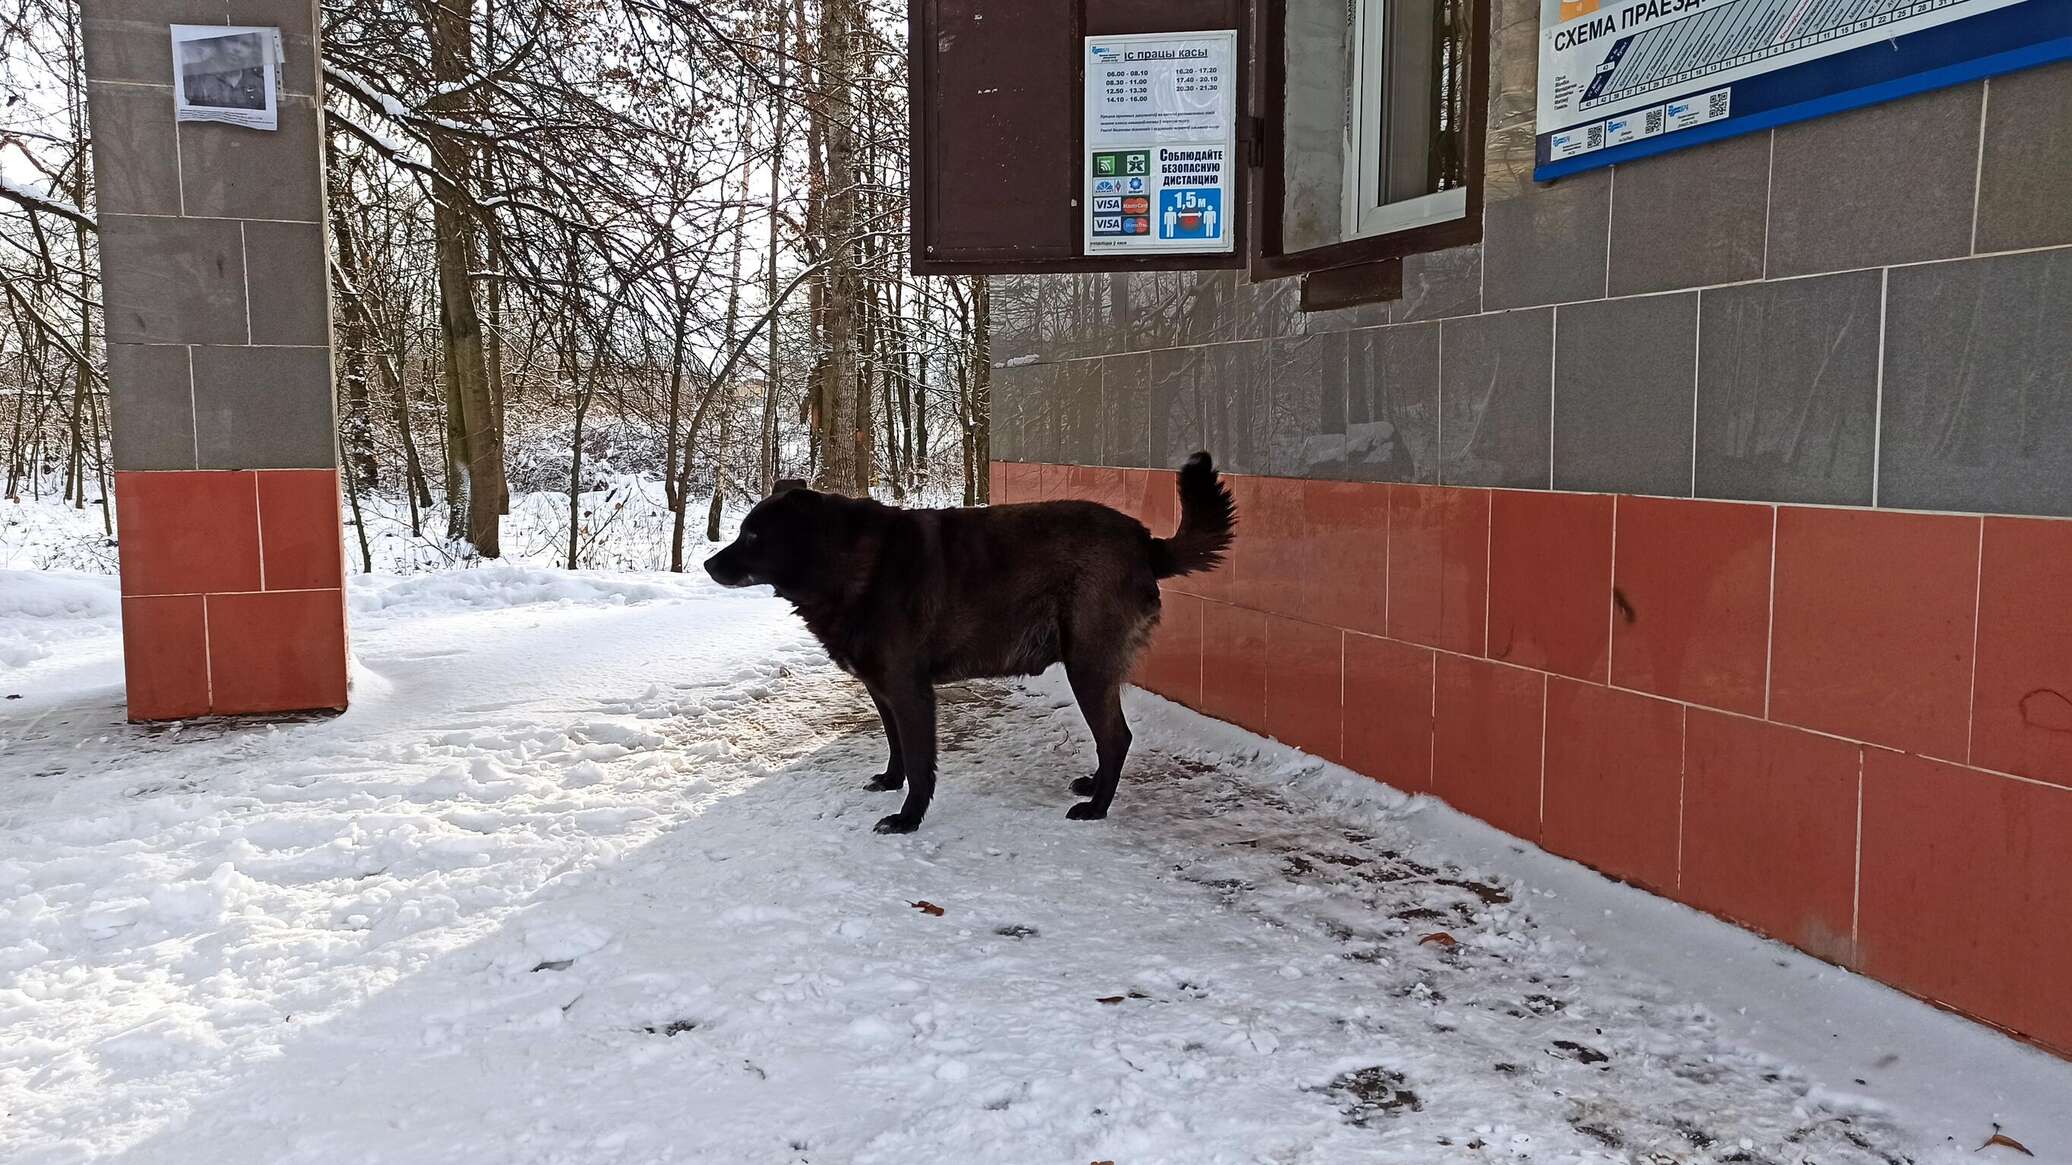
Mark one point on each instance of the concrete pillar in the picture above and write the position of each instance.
(213, 261)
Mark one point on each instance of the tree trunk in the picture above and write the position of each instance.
(415, 487)
(100, 447)
(352, 496)
(981, 388)
(719, 483)
(724, 384)
(575, 481)
(767, 453)
(584, 383)
(356, 334)
(493, 359)
(844, 434)
(476, 445)
(921, 414)
(673, 489)
(456, 459)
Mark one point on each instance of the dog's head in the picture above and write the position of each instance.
(789, 541)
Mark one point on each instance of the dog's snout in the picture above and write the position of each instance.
(726, 570)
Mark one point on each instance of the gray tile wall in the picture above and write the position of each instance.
(1873, 308)
(213, 250)
(1392, 404)
(1623, 374)
(1496, 374)
(1788, 389)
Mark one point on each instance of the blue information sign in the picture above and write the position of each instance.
(1622, 79)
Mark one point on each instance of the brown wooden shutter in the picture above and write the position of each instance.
(996, 108)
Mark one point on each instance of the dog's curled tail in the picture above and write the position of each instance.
(1207, 515)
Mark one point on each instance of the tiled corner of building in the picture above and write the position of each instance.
(217, 303)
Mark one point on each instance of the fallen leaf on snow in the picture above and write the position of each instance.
(1109, 999)
(2000, 1138)
(1438, 938)
(927, 907)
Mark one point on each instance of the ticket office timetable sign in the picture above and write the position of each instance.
(1161, 142)
(1621, 79)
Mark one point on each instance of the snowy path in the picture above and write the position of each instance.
(585, 882)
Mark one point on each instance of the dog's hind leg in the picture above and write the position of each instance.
(895, 768)
(913, 713)
(1099, 691)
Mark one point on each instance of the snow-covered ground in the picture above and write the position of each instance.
(586, 875)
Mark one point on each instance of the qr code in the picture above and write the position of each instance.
(1593, 137)
(1716, 105)
(1652, 123)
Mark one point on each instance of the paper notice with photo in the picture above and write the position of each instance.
(227, 73)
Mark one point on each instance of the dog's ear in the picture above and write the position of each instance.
(785, 485)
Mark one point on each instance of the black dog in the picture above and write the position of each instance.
(907, 599)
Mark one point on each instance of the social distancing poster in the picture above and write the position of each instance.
(1161, 127)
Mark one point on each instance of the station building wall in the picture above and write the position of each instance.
(1709, 522)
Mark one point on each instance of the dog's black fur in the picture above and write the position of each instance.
(907, 599)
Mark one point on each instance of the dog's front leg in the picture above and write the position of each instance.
(895, 768)
(913, 717)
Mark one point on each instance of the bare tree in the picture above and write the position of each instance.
(576, 244)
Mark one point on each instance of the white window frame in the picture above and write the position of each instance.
(1365, 128)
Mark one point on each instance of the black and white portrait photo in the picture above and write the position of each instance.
(224, 74)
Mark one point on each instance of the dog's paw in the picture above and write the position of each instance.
(885, 783)
(1086, 811)
(1083, 787)
(898, 823)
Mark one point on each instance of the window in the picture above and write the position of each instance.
(1377, 139)
(1404, 165)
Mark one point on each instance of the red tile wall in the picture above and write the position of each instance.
(1345, 575)
(233, 591)
(1769, 835)
(1874, 618)
(1388, 710)
(1171, 663)
(1438, 566)
(1965, 898)
(1691, 601)
(1305, 685)
(1233, 665)
(188, 532)
(1612, 793)
(165, 656)
(1550, 567)
(1848, 729)
(1486, 725)
(300, 549)
(2021, 719)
